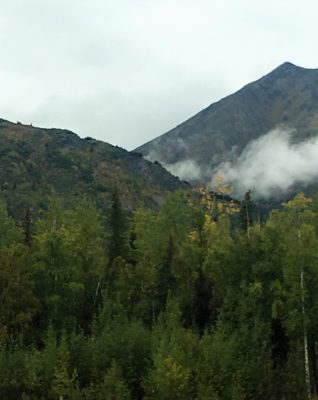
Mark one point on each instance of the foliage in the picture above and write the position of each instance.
(173, 304)
(37, 164)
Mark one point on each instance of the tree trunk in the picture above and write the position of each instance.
(306, 356)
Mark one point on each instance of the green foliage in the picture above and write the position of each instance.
(113, 387)
(9, 232)
(18, 305)
(167, 305)
(64, 384)
(36, 163)
(174, 358)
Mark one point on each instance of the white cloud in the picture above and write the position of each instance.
(186, 170)
(271, 164)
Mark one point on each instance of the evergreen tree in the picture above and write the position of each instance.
(247, 213)
(164, 280)
(27, 227)
(117, 246)
(65, 385)
(196, 310)
(9, 232)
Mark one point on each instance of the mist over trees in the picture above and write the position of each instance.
(201, 300)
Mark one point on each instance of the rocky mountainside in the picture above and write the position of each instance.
(37, 164)
(285, 98)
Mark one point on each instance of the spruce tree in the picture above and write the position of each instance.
(117, 228)
(27, 227)
(246, 213)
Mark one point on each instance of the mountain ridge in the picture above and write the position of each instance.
(285, 97)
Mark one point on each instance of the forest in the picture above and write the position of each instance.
(202, 299)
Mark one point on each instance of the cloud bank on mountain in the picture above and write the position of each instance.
(272, 164)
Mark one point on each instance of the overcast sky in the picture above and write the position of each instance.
(126, 71)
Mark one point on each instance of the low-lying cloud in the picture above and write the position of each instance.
(186, 170)
(272, 164)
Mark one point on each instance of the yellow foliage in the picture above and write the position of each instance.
(228, 207)
(174, 372)
(218, 206)
(219, 185)
(193, 236)
(299, 202)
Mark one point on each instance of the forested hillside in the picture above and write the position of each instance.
(37, 164)
(197, 301)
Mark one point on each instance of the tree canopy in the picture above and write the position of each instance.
(174, 304)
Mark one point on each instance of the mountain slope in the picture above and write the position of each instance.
(286, 97)
(38, 163)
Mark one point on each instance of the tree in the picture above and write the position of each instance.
(117, 245)
(164, 281)
(18, 304)
(174, 353)
(27, 227)
(247, 213)
(9, 232)
(65, 385)
(113, 386)
(85, 241)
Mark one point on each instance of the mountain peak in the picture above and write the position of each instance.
(286, 96)
(288, 72)
(287, 65)
(285, 69)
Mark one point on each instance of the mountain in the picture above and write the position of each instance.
(37, 164)
(286, 98)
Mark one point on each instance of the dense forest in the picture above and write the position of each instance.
(200, 300)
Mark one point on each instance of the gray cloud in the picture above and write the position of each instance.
(126, 71)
